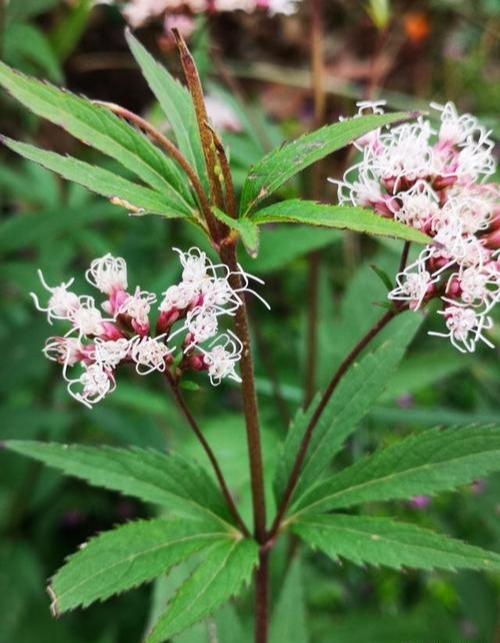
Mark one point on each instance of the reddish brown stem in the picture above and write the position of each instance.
(210, 454)
(217, 230)
(249, 398)
(261, 596)
(294, 476)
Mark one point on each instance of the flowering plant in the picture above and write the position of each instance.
(413, 184)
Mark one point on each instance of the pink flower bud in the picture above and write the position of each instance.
(197, 362)
(454, 289)
(110, 331)
(141, 328)
(443, 182)
(492, 240)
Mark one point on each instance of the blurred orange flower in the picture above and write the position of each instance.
(416, 26)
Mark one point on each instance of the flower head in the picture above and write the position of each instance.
(429, 179)
(189, 317)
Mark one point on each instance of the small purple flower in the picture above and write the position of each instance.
(420, 502)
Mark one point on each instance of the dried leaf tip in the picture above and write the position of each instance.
(54, 609)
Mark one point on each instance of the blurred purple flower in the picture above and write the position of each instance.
(420, 502)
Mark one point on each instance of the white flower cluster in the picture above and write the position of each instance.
(435, 181)
(96, 345)
(138, 12)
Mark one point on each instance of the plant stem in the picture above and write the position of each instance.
(342, 369)
(250, 408)
(249, 397)
(317, 75)
(261, 596)
(217, 230)
(208, 450)
(167, 145)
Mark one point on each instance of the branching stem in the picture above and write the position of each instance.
(210, 454)
(342, 369)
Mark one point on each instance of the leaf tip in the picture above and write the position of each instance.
(54, 607)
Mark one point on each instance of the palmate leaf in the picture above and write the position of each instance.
(176, 104)
(182, 486)
(103, 130)
(277, 167)
(436, 460)
(125, 557)
(382, 541)
(358, 390)
(123, 192)
(337, 216)
(226, 567)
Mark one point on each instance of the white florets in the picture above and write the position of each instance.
(189, 317)
(92, 386)
(139, 12)
(429, 179)
(108, 273)
(222, 358)
(149, 354)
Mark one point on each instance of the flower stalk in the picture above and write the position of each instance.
(301, 454)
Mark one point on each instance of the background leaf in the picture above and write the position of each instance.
(176, 104)
(288, 621)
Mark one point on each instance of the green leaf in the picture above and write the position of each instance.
(176, 103)
(277, 167)
(225, 568)
(25, 9)
(138, 199)
(26, 46)
(424, 464)
(383, 276)
(382, 541)
(355, 395)
(246, 228)
(289, 618)
(125, 557)
(415, 374)
(168, 480)
(103, 130)
(339, 217)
